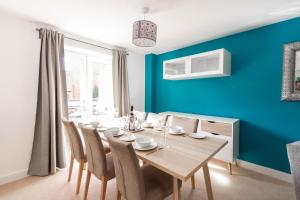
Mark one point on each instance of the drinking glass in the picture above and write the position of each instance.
(126, 123)
(137, 124)
(163, 134)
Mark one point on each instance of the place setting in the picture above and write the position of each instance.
(128, 137)
(114, 131)
(144, 144)
(147, 124)
(96, 125)
(198, 135)
(157, 124)
(179, 131)
(176, 131)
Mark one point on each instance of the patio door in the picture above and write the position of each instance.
(89, 85)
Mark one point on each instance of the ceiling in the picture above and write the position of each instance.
(180, 22)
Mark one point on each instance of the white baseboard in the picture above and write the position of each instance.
(13, 176)
(266, 171)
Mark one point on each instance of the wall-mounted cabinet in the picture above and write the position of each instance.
(208, 64)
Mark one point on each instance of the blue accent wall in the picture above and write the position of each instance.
(150, 82)
(252, 93)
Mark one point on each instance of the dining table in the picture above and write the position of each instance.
(181, 157)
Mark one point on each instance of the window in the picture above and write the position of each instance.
(89, 84)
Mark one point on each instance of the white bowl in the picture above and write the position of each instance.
(175, 129)
(95, 124)
(147, 124)
(144, 141)
(113, 131)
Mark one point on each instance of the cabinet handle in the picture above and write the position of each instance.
(211, 122)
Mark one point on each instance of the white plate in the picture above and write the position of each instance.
(137, 147)
(198, 135)
(158, 128)
(119, 133)
(128, 138)
(178, 133)
(116, 135)
(101, 129)
(147, 125)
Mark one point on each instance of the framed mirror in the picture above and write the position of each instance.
(291, 72)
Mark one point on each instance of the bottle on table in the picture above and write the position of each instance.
(131, 120)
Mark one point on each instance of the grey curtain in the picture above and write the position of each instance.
(48, 145)
(120, 82)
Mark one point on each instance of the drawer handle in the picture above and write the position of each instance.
(211, 122)
(215, 133)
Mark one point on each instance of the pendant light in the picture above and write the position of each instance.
(144, 32)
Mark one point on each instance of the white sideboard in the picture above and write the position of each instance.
(203, 65)
(219, 127)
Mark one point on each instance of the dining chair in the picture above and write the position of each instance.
(100, 161)
(77, 151)
(140, 115)
(135, 182)
(189, 125)
(293, 150)
(154, 117)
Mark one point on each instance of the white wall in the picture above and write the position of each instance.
(136, 77)
(19, 58)
(19, 55)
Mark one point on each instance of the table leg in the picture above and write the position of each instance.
(207, 182)
(176, 189)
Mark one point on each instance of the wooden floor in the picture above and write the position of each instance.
(242, 185)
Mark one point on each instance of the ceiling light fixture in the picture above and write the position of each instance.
(144, 32)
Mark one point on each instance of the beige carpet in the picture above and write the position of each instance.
(242, 185)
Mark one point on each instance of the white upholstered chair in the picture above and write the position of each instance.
(293, 150)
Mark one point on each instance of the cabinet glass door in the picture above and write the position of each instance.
(175, 68)
(205, 64)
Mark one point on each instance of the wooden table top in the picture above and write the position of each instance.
(183, 156)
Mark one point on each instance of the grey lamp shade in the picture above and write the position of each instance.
(144, 33)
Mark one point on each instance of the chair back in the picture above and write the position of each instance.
(154, 118)
(140, 115)
(76, 144)
(293, 151)
(95, 152)
(188, 124)
(130, 182)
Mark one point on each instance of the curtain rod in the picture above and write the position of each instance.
(38, 29)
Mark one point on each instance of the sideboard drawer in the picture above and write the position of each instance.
(217, 127)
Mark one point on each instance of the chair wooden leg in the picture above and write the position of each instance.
(236, 163)
(193, 182)
(103, 187)
(118, 195)
(230, 168)
(207, 182)
(71, 168)
(87, 184)
(81, 164)
(176, 189)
